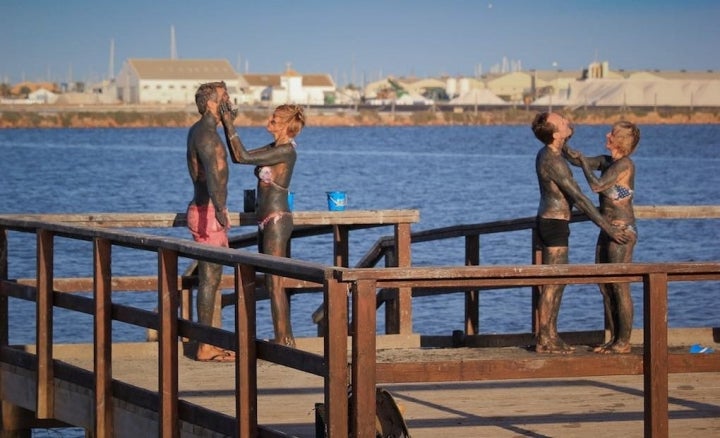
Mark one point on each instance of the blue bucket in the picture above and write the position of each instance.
(337, 201)
(291, 201)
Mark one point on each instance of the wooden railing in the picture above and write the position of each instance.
(654, 363)
(166, 321)
(472, 233)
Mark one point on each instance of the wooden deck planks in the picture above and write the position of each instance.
(568, 407)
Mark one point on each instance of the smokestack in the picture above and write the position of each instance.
(111, 67)
(173, 48)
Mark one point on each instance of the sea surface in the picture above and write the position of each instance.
(453, 175)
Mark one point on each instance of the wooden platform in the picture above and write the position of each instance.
(602, 406)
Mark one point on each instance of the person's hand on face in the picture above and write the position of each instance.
(227, 113)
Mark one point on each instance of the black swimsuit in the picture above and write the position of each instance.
(553, 232)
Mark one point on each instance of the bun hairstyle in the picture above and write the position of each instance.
(293, 116)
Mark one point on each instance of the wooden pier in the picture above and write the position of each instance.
(486, 384)
(599, 406)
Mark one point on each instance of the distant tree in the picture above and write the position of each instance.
(5, 90)
(25, 91)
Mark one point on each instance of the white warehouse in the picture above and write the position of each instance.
(172, 81)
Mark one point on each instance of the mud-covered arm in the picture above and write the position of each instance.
(563, 178)
(609, 176)
(238, 153)
(576, 158)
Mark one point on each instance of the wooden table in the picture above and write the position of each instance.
(398, 318)
(313, 222)
(398, 312)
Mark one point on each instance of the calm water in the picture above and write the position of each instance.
(453, 175)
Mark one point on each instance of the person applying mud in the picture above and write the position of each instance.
(615, 186)
(558, 193)
(207, 215)
(274, 167)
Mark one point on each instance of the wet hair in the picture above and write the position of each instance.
(629, 134)
(293, 116)
(207, 92)
(543, 129)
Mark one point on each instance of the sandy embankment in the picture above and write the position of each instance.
(143, 116)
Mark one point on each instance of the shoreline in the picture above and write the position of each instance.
(119, 116)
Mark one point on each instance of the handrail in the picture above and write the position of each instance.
(641, 212)
(294, 268)
(655, 366)
(165, 321)
(385, 246)
(361, 283)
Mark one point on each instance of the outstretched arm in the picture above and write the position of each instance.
(590, 164)
(264, 156)
(238, 153)
(576, 158)
(610, 176)
(562, 177)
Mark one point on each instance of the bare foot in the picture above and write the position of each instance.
(287, 341)
(566, 346)
(613, 348)
(211, 353)
(555, 346)
(603, 347)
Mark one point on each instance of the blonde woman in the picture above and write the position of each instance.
(616, 187)
(274, 167)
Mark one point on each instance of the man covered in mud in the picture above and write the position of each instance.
(558, 193)
(207, 214)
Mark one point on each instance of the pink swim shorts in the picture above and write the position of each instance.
(204, 227)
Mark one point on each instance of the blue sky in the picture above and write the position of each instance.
(357, 41)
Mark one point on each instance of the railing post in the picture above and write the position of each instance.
(335, 340)
(168, 343)
(537, 259)
(391, 303)
(186, 293)
(14, 420)
(246, 355)
(655, 354)
(4, 315)
(341, 247)
(102, 289)
(398, 316)
(44, 325)
(364, 322)
(472, 297)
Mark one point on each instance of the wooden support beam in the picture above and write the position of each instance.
(335, 340)
(341, 246)
(44, 338)
(102, 344)
(363, 359)
(246, 354)
(404, 258)
(655, 363)
(472, 297)
(168, 362)
(536, 259)
(4, 315)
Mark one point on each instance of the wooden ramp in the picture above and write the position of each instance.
(550, 407)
